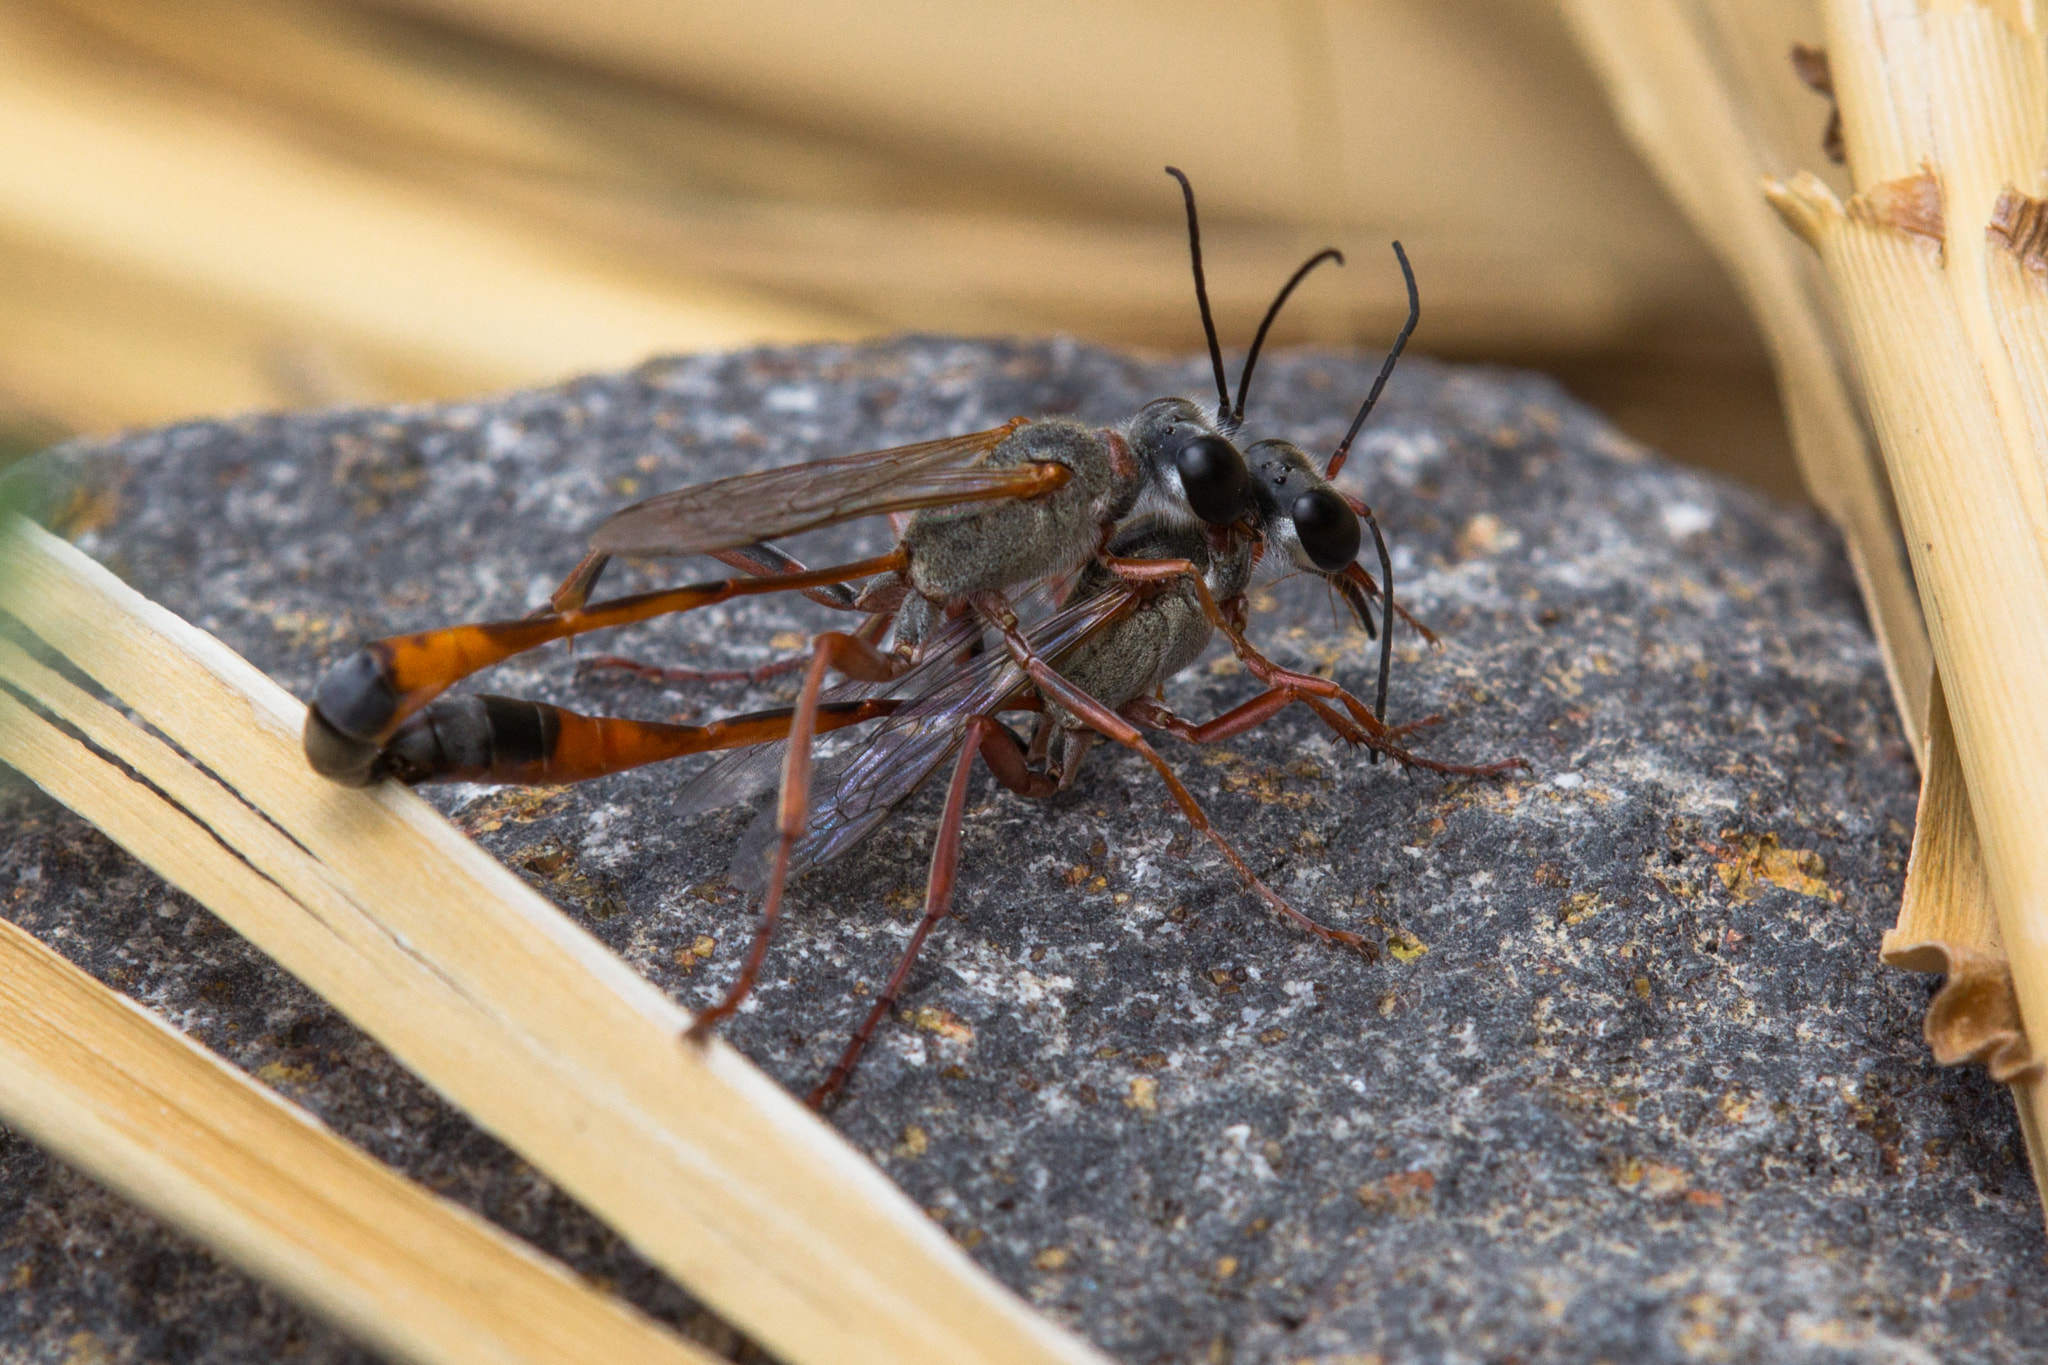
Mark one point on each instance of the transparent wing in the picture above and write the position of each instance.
(726, 514)
(854, 791)
(743, 774)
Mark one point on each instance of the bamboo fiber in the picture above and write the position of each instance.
(1945, 108)
(109, 1087)
(489, 994)
(1683, 79)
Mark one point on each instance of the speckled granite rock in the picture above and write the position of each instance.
(1628, 1085)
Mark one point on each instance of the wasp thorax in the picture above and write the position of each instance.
(1190, 461)
(1303, 512)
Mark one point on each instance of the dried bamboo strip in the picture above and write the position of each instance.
(1673, 72)
(1947, 924)
(115, 1091)
(1943, 112)
(535, 1029)
(1947, 902)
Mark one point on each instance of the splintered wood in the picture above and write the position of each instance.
(113, 1089)
(481, 987)
(1945, 120)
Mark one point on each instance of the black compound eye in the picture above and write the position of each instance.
(1212, 474)
(1327, 528)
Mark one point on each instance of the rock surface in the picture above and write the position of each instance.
(1628, 1082)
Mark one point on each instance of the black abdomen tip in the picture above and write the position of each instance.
(356, 696)
(337, 756)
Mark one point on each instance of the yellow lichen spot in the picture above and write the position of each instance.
(698, 951)
(1628, 1171)
(1763, 859)
(1662, 1180)
(1143, 1094)
(1099, 884)
(625, 485)
(84, 1348)
(1641, 986)
(1387, 1003)
(1734, 1107)
(1405, 1193)
(1227, 666)
(1226, 1266)
(1405, 946)
(942, 1021)
(970, 1238)
(786, 639)
(1052, 1258)
(1273, 1035)
(1481, 536)
(1581, 906)
(284, 1073)
(914, 1143)
(1079, 873)
(514, 805)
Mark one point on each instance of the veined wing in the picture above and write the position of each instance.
(726, 514)
(856, 790)
(743, 774)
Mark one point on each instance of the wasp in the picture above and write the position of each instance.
(1158, 523)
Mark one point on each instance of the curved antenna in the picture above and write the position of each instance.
(1379, 702)
(1202, 297)
(1244, 377)
(1343, 450)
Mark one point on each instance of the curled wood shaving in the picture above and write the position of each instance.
(1975, 1017)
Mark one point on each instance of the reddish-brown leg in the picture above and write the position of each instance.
(764, 561)
(659, 673)
(870, 630)
(1112, 726)
(855, 658)
(1310, 690)
(1267, 704)
(938, 900)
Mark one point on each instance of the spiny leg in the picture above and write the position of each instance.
(1269, 703)
(983, 735)
(663, 673)
(1228, 622)
(856, 658)
(1311, 691)
(1112, 726)
(763, 561)
(870, 630)
(364, 699)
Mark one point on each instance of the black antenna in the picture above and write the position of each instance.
(1244, 378)
(1379, 702)
(1202, 296)
(1343, 450)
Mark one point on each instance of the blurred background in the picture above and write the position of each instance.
(221, 205)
